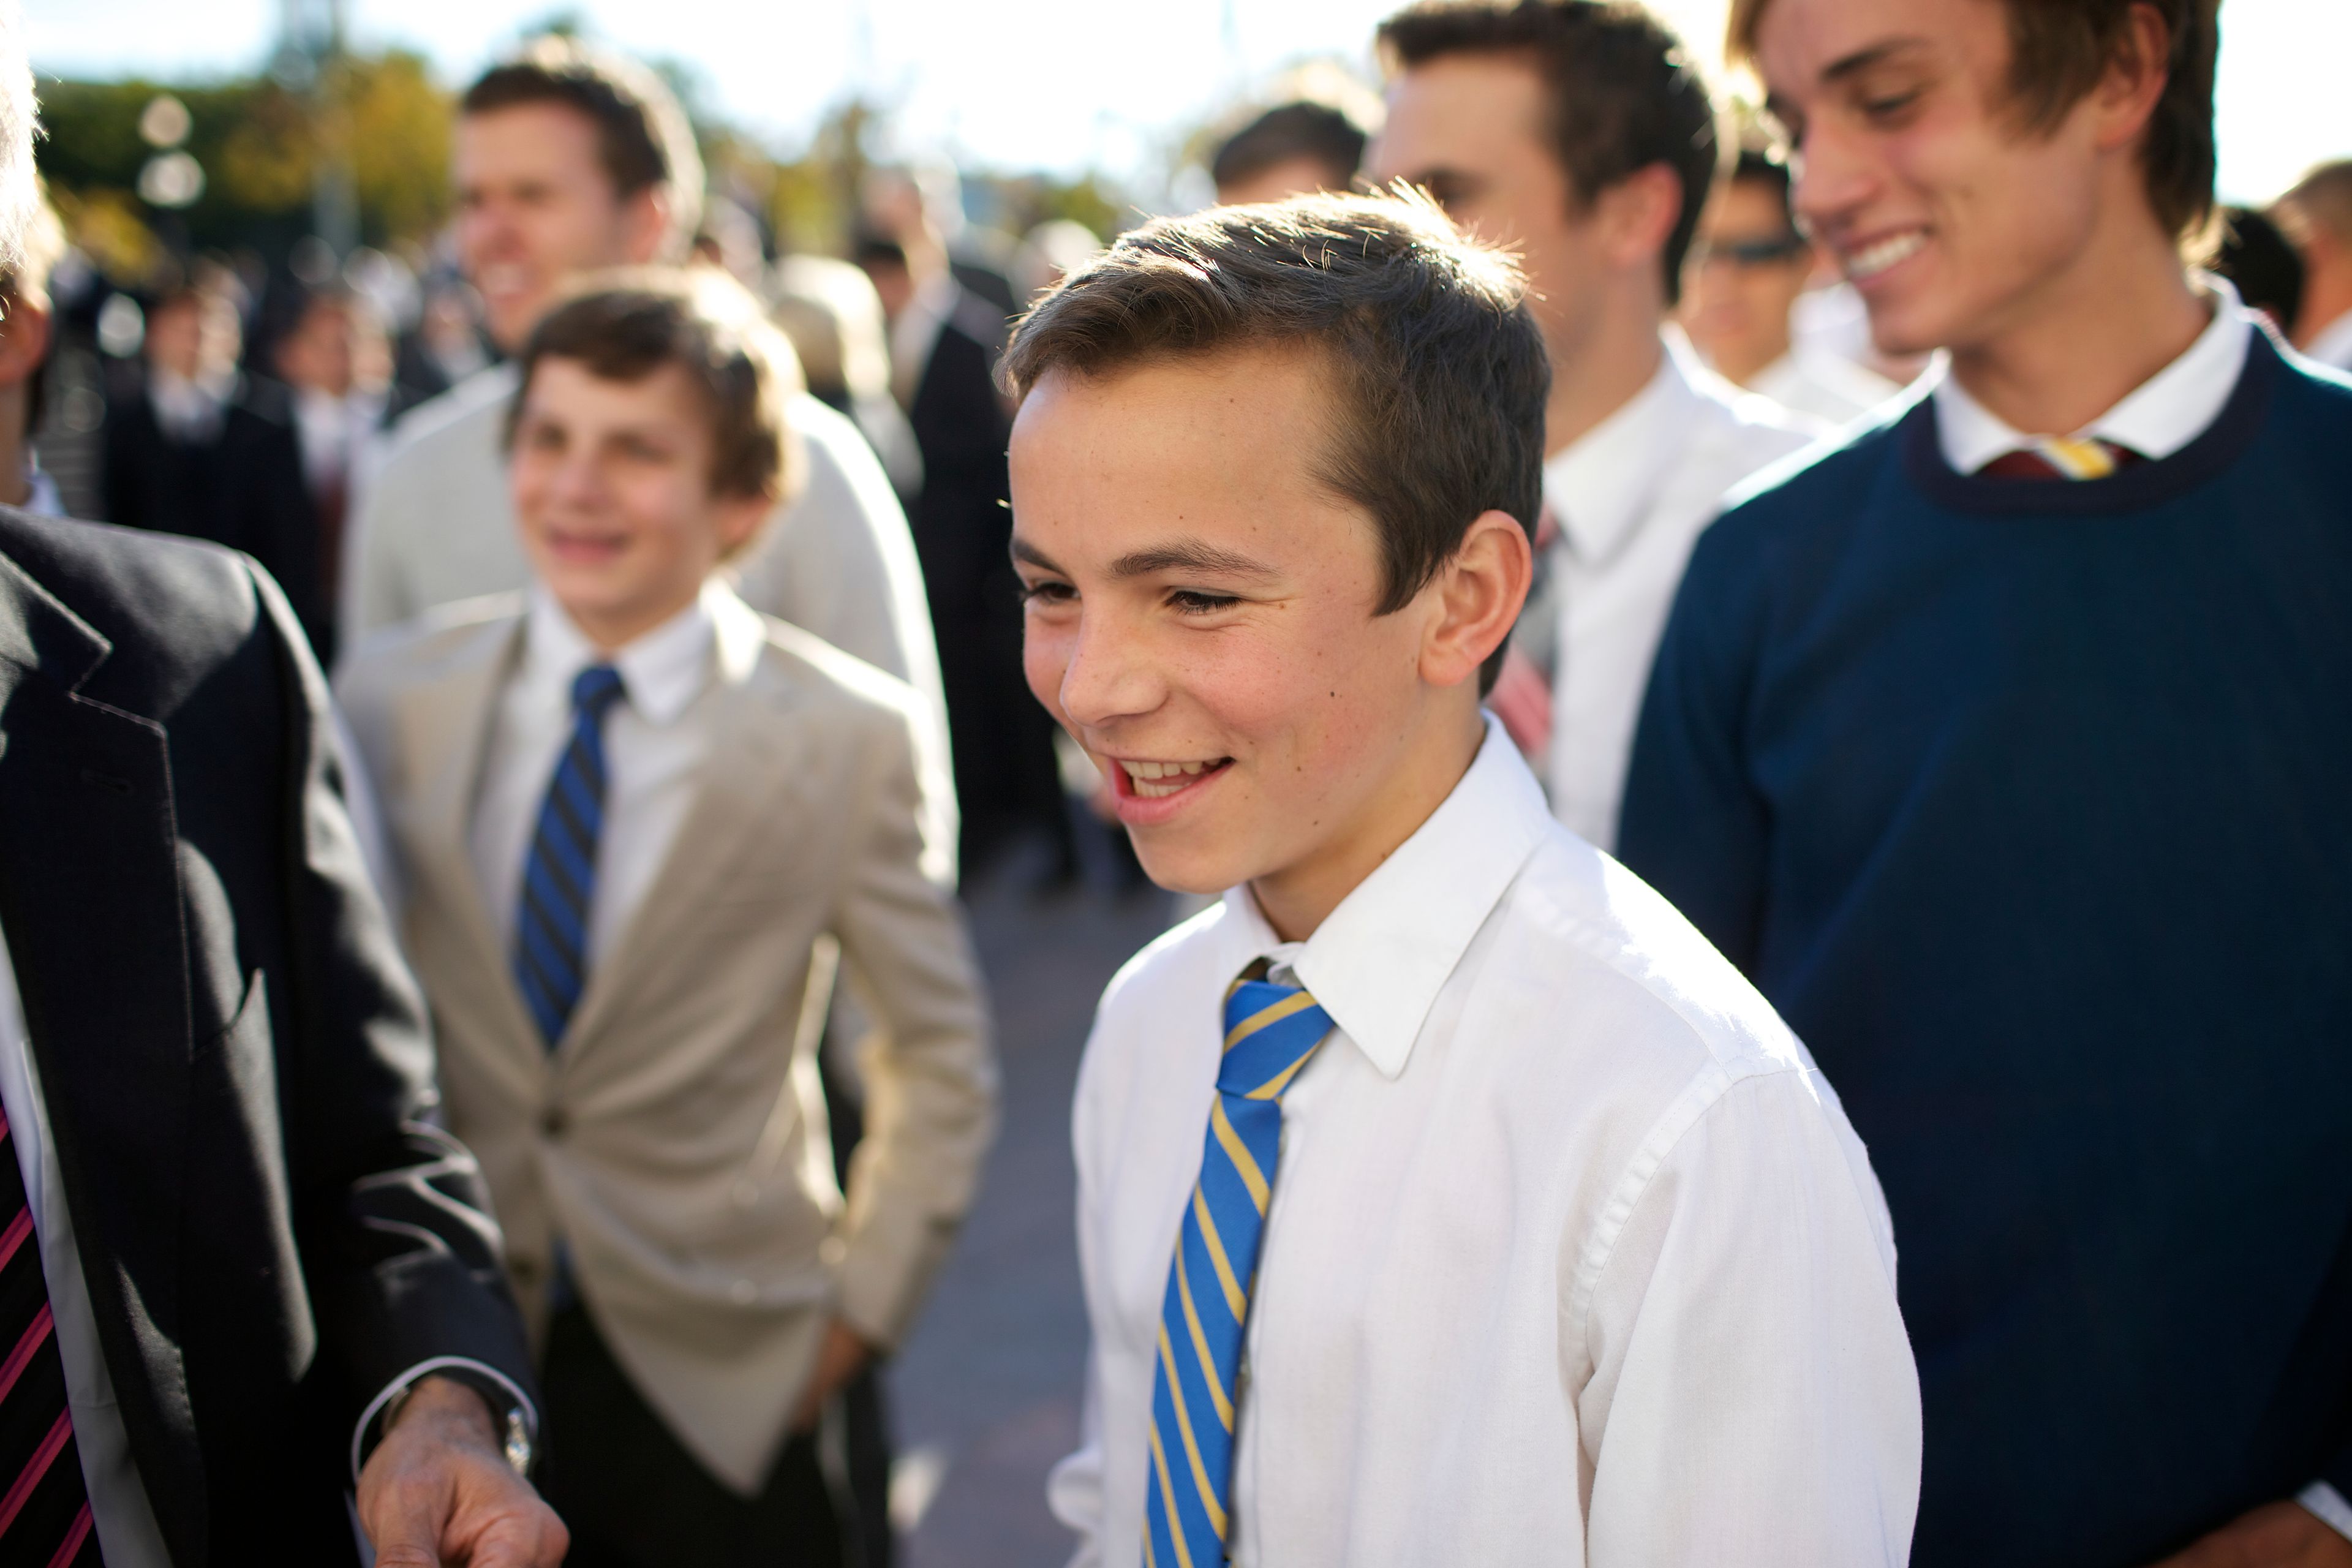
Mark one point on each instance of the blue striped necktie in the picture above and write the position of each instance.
(1270, 1032)
(558, 878)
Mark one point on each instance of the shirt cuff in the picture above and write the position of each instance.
(425, 1369)
(2327, 1505)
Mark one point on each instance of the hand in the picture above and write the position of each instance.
(844, 1355)
(2276, 1535)
(438, 1489)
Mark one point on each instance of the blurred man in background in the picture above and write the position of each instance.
(1292, 150)
(1749, 267)
(944, 341)
(2004, 747)
(335, 358)
(1579, 134)
(193, 450)
(568, 160)
(2317, 214)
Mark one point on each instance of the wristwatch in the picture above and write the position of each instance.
(507, 1413)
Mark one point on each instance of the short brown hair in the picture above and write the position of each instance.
(1624, 92)
(1303, 128)
(2321, 200)
(642, 135)
(1440, 371)
(626, 325)
(2057, 51)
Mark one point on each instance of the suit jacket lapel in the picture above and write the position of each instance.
(445, 727)
(91, 903)
(753, 767)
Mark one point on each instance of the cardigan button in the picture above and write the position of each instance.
(553, 1122)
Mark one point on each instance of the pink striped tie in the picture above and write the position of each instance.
(43, 1511)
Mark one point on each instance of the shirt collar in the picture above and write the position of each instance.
(1377, 964)
(1600, 482)
(662, 671)
(2158, 417)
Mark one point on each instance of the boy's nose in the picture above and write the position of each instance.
(1108, 678)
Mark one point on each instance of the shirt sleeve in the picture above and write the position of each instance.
(930, 1078)
(1694, 826)
(1752, 1398)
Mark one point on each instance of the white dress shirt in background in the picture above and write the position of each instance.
(655, 741)
(1632, 496)
(2163, 414)
(1822, 386)
(1573, 1256)
(2332, 346)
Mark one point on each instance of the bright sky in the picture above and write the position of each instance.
(1068, 84)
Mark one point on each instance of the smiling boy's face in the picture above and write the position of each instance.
(1201, 618)
(611, 484)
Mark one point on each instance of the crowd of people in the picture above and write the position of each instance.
(1741, 693)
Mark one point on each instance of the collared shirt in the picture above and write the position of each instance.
(654, 740)
(41, 496)
(2332, 346)
(1632, 495)
(1571, 1257)
(1821, 387)
(2162, 415)
(337, 435)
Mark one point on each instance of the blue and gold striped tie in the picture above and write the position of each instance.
(558, 878)
(1270, 1032)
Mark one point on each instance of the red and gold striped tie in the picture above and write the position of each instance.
(44, 1511)
(2062, 457)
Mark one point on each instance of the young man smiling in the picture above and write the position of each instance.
(639, 824)
(2005, 749)
(1443, 1198)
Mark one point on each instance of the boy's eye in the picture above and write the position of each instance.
(1193, 602)
(1047, 593)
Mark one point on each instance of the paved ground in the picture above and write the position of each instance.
(986, 1391)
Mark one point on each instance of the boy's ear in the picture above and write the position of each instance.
(1477, 596)
(740, 519)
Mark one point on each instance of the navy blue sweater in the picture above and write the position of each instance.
(2030, 805)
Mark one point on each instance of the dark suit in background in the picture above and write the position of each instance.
(1005, 774)
(234, 1060)
(243, 488)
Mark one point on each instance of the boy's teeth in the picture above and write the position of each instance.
(1885, 254)
(1147, 777)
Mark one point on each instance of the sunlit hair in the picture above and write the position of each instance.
(1439, 371)
(625, 325)
(643, 139)
(18, 192)
(2058, 49)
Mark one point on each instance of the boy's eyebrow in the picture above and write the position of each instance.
(1022, 551)
(1188, 555)
(1862, 59)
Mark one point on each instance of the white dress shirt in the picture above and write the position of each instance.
(2162, 415)
(1822, 386)
(655, 740)
(2332, 346)
(1632, 496)
(1573, 1256)
(2158, 417)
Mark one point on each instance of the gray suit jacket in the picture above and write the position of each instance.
(675, 1136)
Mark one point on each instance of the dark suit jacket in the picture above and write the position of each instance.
(244, 489)
(234, 1060)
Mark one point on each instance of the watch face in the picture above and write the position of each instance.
(517, 1444)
